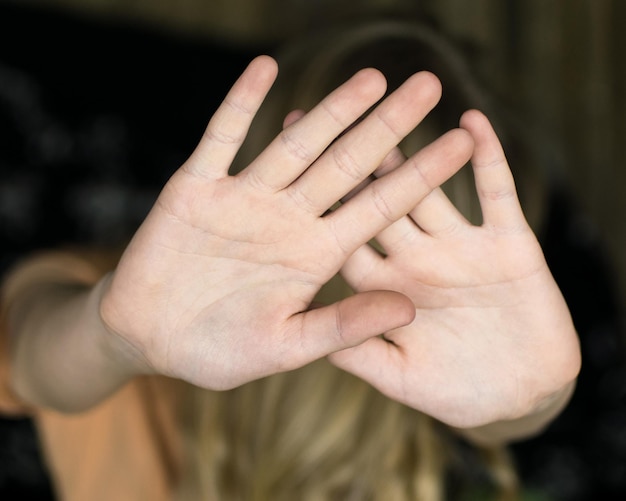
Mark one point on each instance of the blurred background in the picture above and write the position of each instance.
(100, 100)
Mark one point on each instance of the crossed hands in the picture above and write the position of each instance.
(216, 286)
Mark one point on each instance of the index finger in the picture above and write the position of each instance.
(229, 125)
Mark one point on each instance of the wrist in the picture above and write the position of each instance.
(62, 354)
(524, 427)
(114, 346)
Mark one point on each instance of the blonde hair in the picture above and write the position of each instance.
(318, 433)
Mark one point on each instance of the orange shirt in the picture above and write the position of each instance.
(128, 447)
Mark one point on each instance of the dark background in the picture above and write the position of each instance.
(96, 114)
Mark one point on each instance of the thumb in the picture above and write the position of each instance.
(351, 321)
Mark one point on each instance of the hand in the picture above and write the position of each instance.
(492, 337)
(216, 285)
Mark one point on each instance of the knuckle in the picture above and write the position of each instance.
(340, 333)
(302, 200)
(497, 195)
(420, 168)
(388, 123)
(381, 204)
(338, 236)
(219, 135)
(237, 106)
(329, 105)
(346, 162)
(294, 146)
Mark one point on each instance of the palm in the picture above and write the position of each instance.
(216, 276)
(492, 335)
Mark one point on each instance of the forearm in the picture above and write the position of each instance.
(525, 427)
(62, 356)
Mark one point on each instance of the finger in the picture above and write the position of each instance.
(494, 181)
(292, 117)
(389, 198)
(229, 125)
(300, 144)
(397, 237)
(362, 149)
(437, 215)
(404, 230)
(434, 216)
(392, 160)
(362, 265)
(377, 362)
(349, 322)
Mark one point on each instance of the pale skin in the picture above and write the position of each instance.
(492, 349)
(492, 340)
(216, 286)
